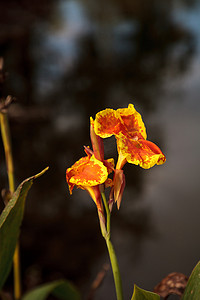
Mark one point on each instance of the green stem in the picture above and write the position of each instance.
(5, 132)
(112, 255)
(115, 269)
(107, 212)
(102, 223)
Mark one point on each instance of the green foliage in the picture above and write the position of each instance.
(61, 289)
(192, 290)
(10, 222)
(140, 294)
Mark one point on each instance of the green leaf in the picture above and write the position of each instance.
(192, 290)
(10, 222)
(140, 294)
(61, 289)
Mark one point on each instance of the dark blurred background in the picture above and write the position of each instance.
(65, 61)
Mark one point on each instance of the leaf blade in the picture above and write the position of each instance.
(10, 222)
(62, 289)
(192, 290)
(140, 294)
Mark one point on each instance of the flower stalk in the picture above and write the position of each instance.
(108, 215)
(5, 132)
(115, 269)
(112, 255)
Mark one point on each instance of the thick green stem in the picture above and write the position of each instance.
(5, 132)
(115, 269)
(112, 255)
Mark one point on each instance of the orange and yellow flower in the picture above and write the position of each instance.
(127, 126)
(91, 172)
(87, 173)
(129, 130)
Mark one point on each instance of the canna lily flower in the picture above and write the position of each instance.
(91, 174)
(127, 126)
(129, 130)
(88, 173)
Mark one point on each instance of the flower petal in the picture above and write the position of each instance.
(87, 172)
(74, 169)
(106, 123)
(132, 122)
(141, 152)
(123, 120)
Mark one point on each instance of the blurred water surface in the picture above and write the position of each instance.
(65, 61)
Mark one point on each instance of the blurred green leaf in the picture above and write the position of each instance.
(62, 289)
(10, 222)
(192, 290)
(140, 294)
